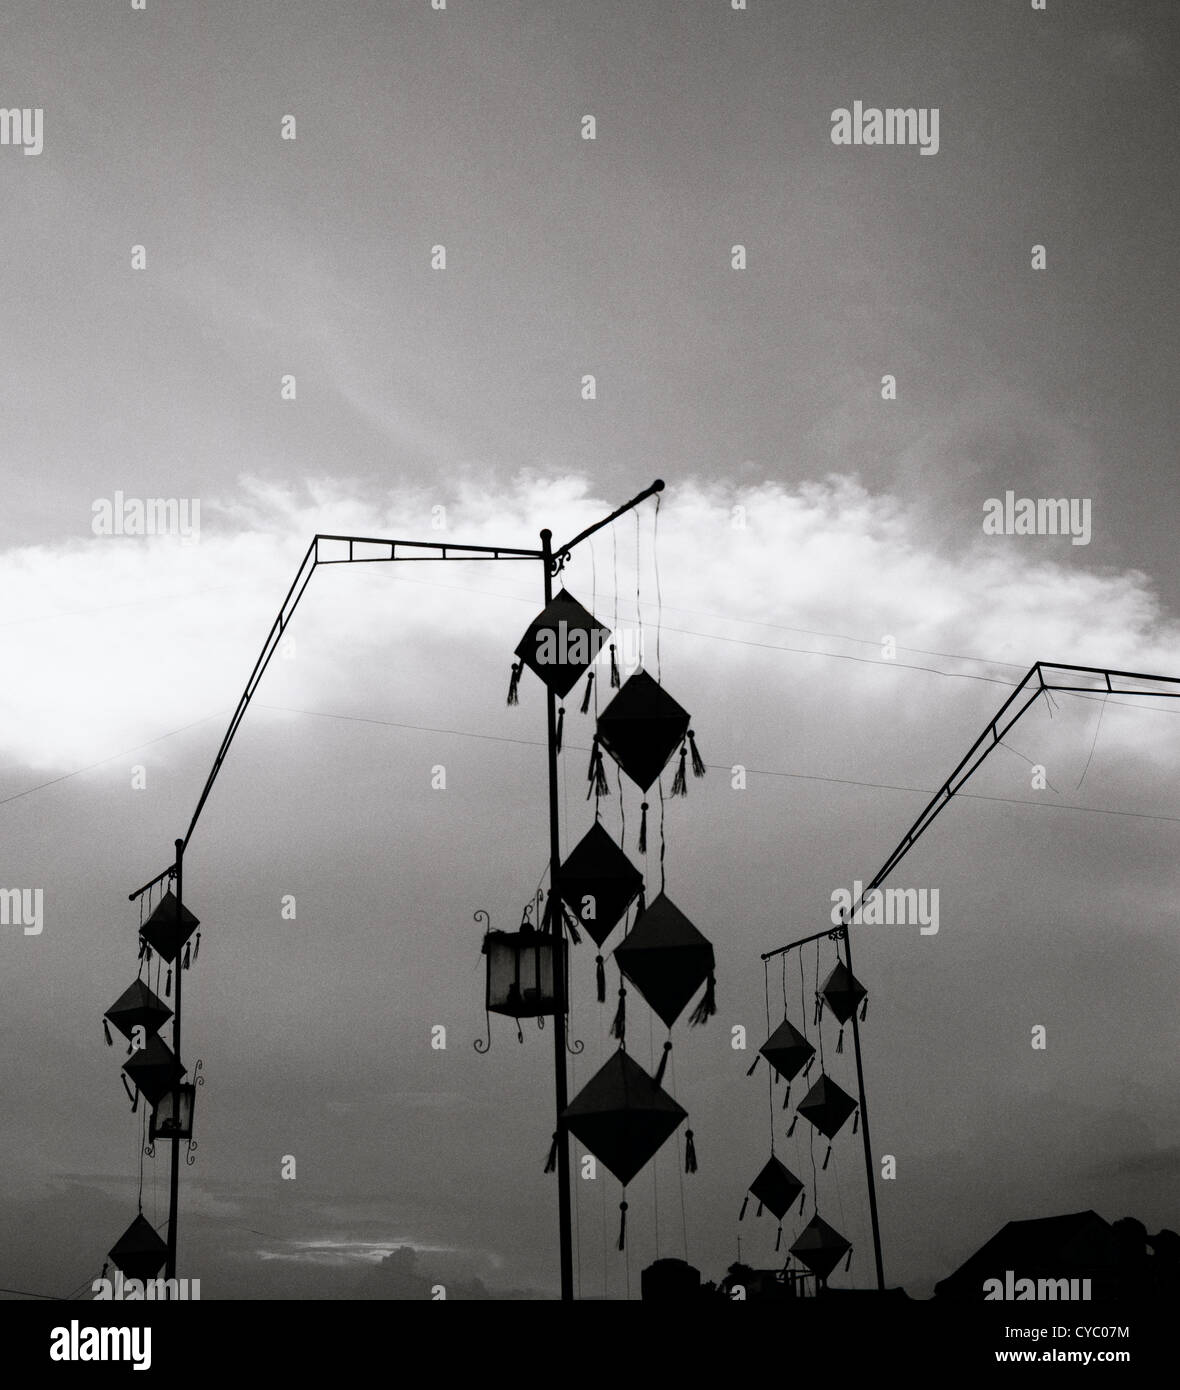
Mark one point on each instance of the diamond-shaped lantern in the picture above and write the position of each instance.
(641, 728)
(820, 1247)
(622, 1116)
(665, 958)
(787, 1050)
(827, 1107)
(561, 642)
(154, 1069)
(776, 1187)
(138, 1007)
(842, 992)
(139, 1252)
(165, 932)
(598, 879)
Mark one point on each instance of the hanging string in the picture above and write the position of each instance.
(770, 1069)
(663, 841)
(655, 558)
(638, 609)
(614, 665)
(680, 1175)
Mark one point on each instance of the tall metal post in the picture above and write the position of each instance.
(864, 1125)
(174, 1178)
(557, 926)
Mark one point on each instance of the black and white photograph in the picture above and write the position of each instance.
(591, 693)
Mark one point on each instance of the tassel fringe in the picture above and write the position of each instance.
(643, 828)
(708, 1005)
(622, 1225)
(864, 1008)
(560, 726)
(597, 773)
(187, 955)
(826, 1157)
(742, 1213)
(589, 692)
(551, 1161)
(618, 1028)
(197, 946)
(663, 1065)
(614, 669)
(840, 1041)
(106, 1032)
(698, 765)
(787, 1098)
(690, 1153)
(791, 1127)
(753, 1067)
(514, 683)
(855, 1119)
(168, 984)
(778, 1240)
(600, 972)
(680, 782)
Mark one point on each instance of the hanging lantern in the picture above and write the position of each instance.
(562, 642)
(164, 932)
(138, 1007)
(827, 1107)
(842, 992)
(787, 1050)
(164, 1124)
(666, 959)
(641, 728)
(776, 1188)
(820, 1247)
(598, 879)
(521, 977)
(139, 1252)
(622, 1116)
(154, 1069)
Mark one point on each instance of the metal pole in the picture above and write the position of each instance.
(864, 1127)
(174, 1178)
(557, 926)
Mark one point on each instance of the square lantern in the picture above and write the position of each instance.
(163, 1124)
(522, 981)
(562, 642)
(820, 1247)
(598, 879)
(139, 1252)
(776, 1187)
(165, 932)
(827, 1107)
(665, 958)
(842, 992)
(787, 1050)
(642, 727)
(623, 1116)
(138, 1007)
(154, 1069)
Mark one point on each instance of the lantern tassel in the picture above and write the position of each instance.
(597, 773)
(197, 946)
(618, 1028)
(600, 972)
(791, 1128)
(551, 1161)
(663, 1064)
(848, 1261)
(560, 726)
(826, 1157)
(840, 1041)
(589, 692)
(819, 1010)
(132, 1097)
(614, 668)
(622, 1225)
(187, 955)
(708, 1005)
(690, 1153)
(643, 828)
(778, 1240)
(745, 1204)
(106, 1032)
(514, 683)
(680, 782)
(855, 1119)
(810, 1063)
(168, 984)
(864, 1008)
(787, 1098)
(759, 1211)
(698, 764)
(753, 1067)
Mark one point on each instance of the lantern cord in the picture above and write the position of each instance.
(769, 1069)
(655, 1171)
(623, 812)
(142, 1145)
(655, 559)
(663, 841)
(614, 552)
(638, 609)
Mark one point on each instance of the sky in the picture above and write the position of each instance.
(805, 521)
